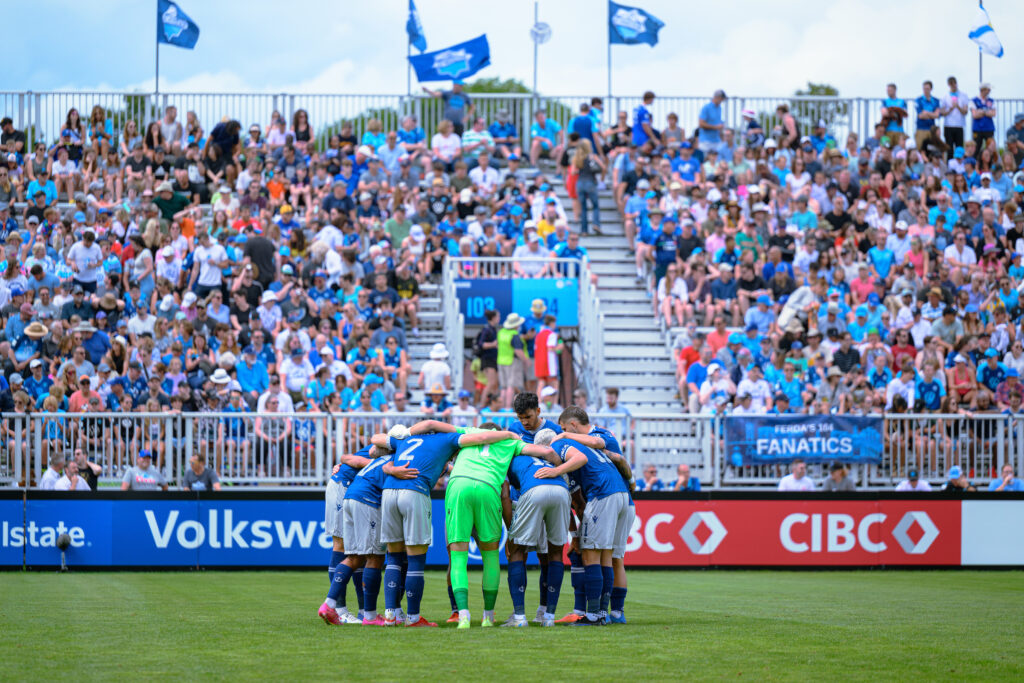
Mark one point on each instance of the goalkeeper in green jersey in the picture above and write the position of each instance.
(473, 501)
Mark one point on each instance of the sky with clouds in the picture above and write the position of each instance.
(326, 46)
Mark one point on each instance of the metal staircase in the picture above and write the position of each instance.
(636, 359)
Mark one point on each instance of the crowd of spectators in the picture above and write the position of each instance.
(805, 274)
(165, 268)
(269, 270)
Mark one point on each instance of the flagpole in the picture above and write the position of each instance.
(980, 78)
(408, 67)
(156, 80)
(609, 22)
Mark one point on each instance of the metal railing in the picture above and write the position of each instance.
(244, 457)
(591, 321)
(42, 114)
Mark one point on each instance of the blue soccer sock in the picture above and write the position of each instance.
(543, 585)
(337, 557)
(618, 599)
(594, 582)
(403, 561)
(414, 585)
(371, 589)
(607, 581)
(517, 586)
(451, 597)
(336, 596)
(556, 573)
(357, 577)
(392, 578)
(576, 576)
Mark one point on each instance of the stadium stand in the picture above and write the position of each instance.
(193, 276)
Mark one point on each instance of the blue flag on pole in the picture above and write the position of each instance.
(414, 28)
(453, 63)
(174, 27)
(632, 25)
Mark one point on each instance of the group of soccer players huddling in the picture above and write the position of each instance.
(531, 477)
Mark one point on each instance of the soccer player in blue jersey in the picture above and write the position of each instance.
(362, 527)
(405, 505)
(606, 514)
(527, 408)
(540, 522)
(333, 524)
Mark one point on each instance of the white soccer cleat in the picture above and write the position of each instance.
(347, 617)
(515, 621)
(539, 619)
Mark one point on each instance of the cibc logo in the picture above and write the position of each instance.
(840, 533)
(688, 533)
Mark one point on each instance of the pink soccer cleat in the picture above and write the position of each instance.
(377, 621)
(329, 615)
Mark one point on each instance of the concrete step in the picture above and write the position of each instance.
(640, 366)
(613, 267)
(649, 397)
(635, 381)
(629, 323)
(622, 295)
(642, 336)
(622, 282)
(618, 308)
(637, 352)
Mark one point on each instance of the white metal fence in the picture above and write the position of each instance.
(42, 114)
(301, 448)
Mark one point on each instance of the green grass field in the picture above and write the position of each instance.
(861, 625)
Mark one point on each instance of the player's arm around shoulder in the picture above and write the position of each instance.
(355, 461)
(432, 426)
(574, 459)
(588, 440)
(485, 437)
(544, 452)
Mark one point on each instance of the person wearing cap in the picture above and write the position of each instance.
(458, 106)
(505, 136)
(961, 381)
(532, 259)
(435, 402)
(957, 481)
(85, 259)
(722, 298)
(548, 138)
(913, 482)
(142, 476)
(464, 414)
(717, 390)
(756, 388)
(983, 111)
(992, 372)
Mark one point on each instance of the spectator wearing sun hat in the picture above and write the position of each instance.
(436, 402)
(436, 371)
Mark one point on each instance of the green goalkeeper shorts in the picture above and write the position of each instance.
(470, 504)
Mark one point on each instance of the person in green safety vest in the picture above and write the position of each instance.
(512, 359)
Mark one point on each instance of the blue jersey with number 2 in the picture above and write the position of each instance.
(428, 453)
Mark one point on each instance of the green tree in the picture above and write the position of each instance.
(496, 85)
(808, 112)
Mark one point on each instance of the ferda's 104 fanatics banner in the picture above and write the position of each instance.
(773, 439)
(271, 530)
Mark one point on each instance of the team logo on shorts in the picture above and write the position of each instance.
(373, 524)
(594, 519)
(339, 507)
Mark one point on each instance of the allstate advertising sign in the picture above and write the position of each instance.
(181, 531)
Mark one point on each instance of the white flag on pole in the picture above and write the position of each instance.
(983, 34)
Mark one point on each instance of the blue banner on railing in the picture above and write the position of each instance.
(560, 295)
(769, 439)
(178, 532)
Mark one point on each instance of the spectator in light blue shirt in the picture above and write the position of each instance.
(650, 481)
(893, 109)
(710, 124)
(252, 375)
(1006, 481)
(43, 184)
